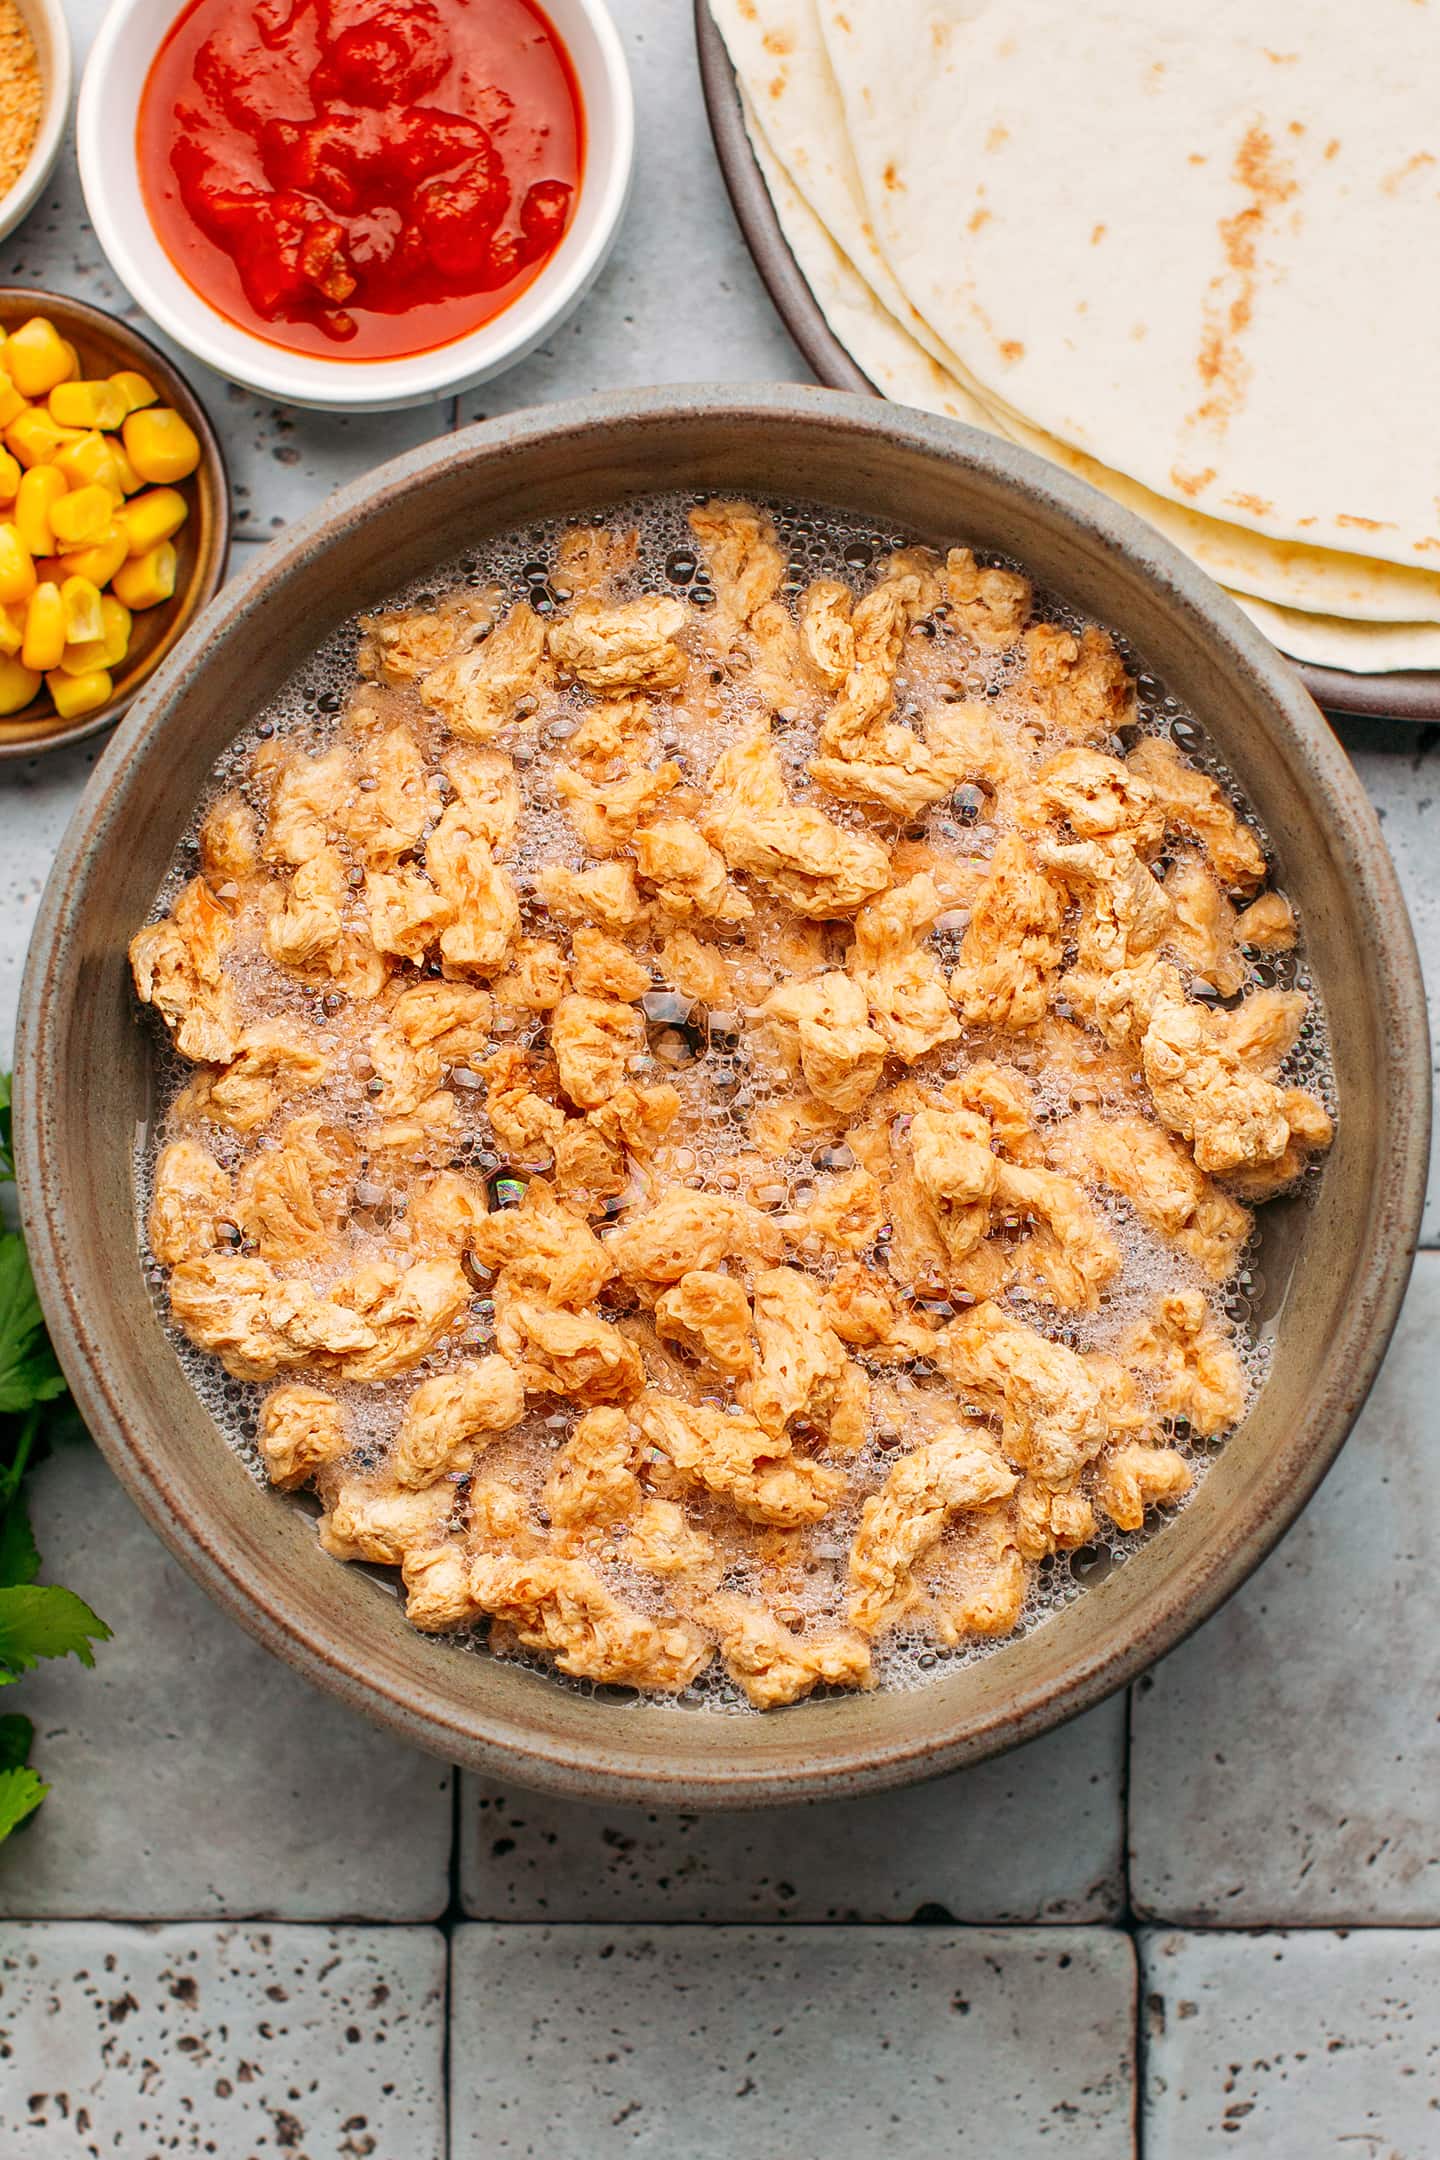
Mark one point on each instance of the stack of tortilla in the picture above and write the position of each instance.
(1189, 253)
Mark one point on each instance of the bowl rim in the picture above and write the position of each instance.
(599, 1769)
(133, 345)
(20, 199)
(314, 381)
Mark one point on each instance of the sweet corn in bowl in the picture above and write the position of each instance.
(114, 517)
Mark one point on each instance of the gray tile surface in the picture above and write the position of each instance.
(790, 2044)
(240, 2042)
(1292, 2047)
(193, 1773)
(1286, 1760)
(679, 300)
(1400, 766)
(1035, 1835)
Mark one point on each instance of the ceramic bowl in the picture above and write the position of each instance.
(45, 20)
(1335, 1264)
(105, 345)
(105, 128)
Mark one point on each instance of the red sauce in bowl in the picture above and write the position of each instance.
(361, 178)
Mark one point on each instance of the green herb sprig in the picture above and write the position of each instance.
(37, 1620)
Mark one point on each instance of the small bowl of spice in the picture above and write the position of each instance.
(356, 205)
(34, 101)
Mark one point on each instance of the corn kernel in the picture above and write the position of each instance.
(39, 491)
(147, 579)
(35, 438)
(160, 445)
(87, 405)
(72, 373)
(37, 357)
(100, 561)
(12, 629)
(12, 404)
(126, 477)
(44, 629)
(75, 695)
(18, 684)
(115, 621)
(78, 520)
(135, 389)
(153, 517)
(83, 620)
(17, 569)
(9, 476)
(97, 461)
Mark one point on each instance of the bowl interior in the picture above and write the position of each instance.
(106, 345)
(109, 170)
(1337, 1266)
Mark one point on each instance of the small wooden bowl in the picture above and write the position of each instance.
(202, 544)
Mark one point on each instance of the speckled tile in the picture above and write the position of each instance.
(1285, 1761)
(224, 2040)
(1292, 2047)
(1400, 766)
(583, 2043)
(1034, 1835)
(680, 299)
(192, 1773)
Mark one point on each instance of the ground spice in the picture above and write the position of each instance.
(20, 95)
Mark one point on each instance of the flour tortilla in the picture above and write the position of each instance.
(779, 56)
(1127, 222)
(1329, 641)
(1308, 579)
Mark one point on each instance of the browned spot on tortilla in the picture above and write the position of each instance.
(1424, 546)
(1281, 59)
(1097, 236)
(1393, 182)
(1139, 330)
(1151, 79)
(1364, 524)
(997, 137)
(1230, 301)
(1332, 146)
(842, 22)
(978, 218)
(1255, 504)
(1192, 483)
(892, 179)
(777, 86)
(1011, 349)
(775, 41)
(746, 9)
(1297, 127)
(1199, 157)
(1305, 521)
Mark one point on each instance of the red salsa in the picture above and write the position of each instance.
(361, 178)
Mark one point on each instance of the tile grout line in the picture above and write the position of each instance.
(1127, 1920)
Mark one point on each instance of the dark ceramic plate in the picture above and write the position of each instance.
(1411, 695)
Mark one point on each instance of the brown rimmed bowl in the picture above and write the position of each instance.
(1403, 694)
(106, 345)
(1336, 1265)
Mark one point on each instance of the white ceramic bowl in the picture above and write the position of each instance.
(45, 20)
(105, 128)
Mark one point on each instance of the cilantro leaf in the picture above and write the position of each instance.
(16, 1735)
(21, 1792)
(42, 1620)
(7, 1143)
(29, 1373)
(19, 1559)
